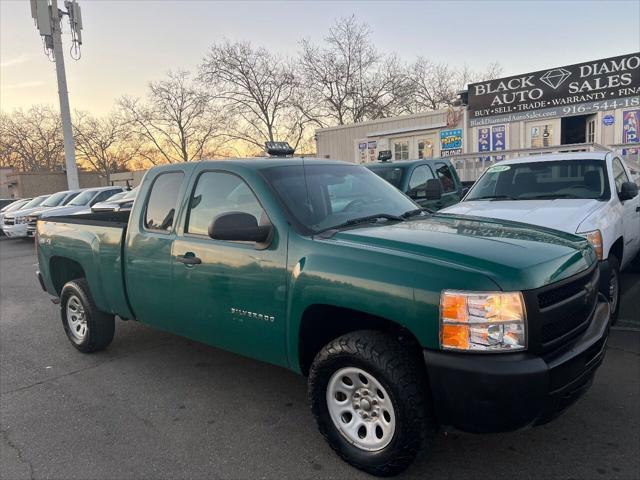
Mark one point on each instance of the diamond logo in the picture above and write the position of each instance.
(556, 77)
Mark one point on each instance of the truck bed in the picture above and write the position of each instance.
(89, 246)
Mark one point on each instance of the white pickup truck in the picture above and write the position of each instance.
(590, 194)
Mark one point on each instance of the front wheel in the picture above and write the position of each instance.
(614, 287)
(368, 395)
(88, 329)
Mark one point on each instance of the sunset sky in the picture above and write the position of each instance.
(128, 43)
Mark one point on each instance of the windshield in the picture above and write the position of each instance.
(331, 195)
(14, 206)
(585, 179)
(393, 175)
(55, 199)
(117, 196)
(126, 195)
(82, 199)
(35, 202)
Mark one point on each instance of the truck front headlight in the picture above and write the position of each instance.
(482, 321)
(595, 239)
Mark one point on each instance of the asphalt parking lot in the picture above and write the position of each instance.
(154, 405)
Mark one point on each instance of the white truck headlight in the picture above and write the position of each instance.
(482, 321)
(595, 239)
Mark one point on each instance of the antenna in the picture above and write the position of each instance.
(48, 20)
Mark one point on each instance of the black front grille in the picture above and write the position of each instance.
(563, 325)
(564, 309)
(548, 298)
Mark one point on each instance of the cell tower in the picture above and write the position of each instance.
(48, 20)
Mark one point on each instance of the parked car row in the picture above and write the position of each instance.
(19, 219)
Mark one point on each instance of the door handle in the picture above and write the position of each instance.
(189, 259)
(638, 208)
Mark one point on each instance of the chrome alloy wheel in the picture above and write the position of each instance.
(361, 409)
(76, 319)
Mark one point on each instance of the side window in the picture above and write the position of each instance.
(619, 175)
(161, 207)
(446, 177)
(420, 176)
(217, 193)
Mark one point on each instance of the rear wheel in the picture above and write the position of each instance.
(368, 396)
(88, 329)
(614, 287)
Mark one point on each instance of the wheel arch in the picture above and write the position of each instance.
(321, 323)
(63, 270)
(617, 249)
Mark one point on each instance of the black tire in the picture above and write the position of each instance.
(397, 367)
(100, 326)
(614, 270)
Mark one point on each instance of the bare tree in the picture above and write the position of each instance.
(259, 93)
(32, 141)
(336, 73)
(467, 76)
(435, 86)
(107, 144)
(178, 121)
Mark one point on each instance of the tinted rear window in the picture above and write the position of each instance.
(393, 175)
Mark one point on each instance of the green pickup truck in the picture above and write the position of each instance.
(402, 319)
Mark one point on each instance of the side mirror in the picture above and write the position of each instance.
(628, 190)
(239, 227)
(434, 189)
(464, 191)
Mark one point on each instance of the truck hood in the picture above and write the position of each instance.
(514, 255)
(64, 210)
(560, 214)
(39, 210)
(22, 213)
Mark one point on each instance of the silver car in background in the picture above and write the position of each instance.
(86, 198)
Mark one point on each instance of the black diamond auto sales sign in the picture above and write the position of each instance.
(597, 85)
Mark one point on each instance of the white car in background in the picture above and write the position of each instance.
(14, 224)
(589, 194)
(22, 216)
(17, 205)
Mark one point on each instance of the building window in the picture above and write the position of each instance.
(401, 150)
(425, 149)
(541, 136)
(591, 131)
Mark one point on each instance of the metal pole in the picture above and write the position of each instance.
(65, 111)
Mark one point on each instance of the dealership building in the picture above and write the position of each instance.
(587, 106)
